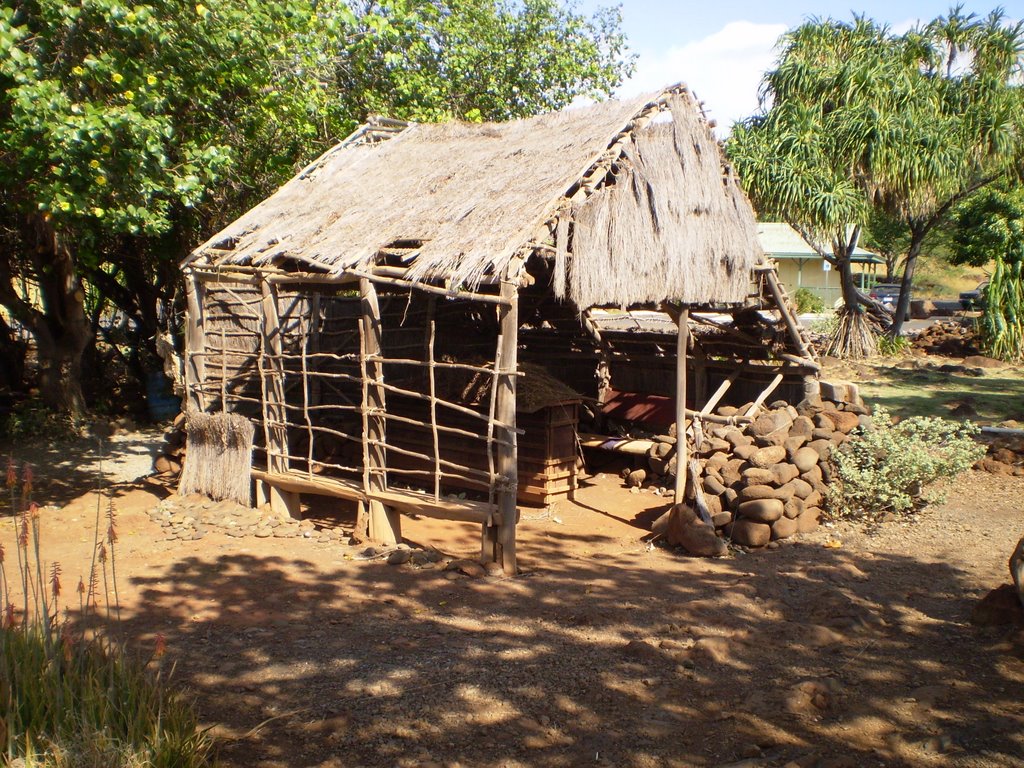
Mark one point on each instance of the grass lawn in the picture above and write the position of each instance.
(913, 386)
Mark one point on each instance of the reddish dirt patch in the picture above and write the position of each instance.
(604, 651)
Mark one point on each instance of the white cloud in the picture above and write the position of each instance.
(723, 69)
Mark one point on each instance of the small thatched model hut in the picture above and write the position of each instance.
(375, 317)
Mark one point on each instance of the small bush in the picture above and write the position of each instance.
(892, 468)
(32, 418)
(808, 301)
(71, 698)
(893, 347)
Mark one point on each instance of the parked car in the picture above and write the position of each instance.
(888, 295)
(974, 299)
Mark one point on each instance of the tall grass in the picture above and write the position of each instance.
(74, 697)
(1002, 323)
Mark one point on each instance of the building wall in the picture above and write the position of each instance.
(808, 273)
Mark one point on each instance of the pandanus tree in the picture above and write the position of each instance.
(856, 121)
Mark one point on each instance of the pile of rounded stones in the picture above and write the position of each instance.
(949, 339)
(1005, 453)
(766, 480)
(189, 518)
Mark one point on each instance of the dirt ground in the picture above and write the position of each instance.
(604, 651)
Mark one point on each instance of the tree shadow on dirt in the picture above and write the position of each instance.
(638, 658)
(63, 467)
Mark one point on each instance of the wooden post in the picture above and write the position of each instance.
(682, 450)
(499, 541)
(274, 412)
(195, 345)
(385, 523)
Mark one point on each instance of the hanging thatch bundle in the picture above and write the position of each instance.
(218, 457)
(688, 231)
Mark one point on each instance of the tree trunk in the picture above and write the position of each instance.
(854, 337)
(12, 358)
(891, 260)
(60, 374)
(851, 296)
(61, 327)
(903, 305)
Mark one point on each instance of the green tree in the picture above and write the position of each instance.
(130, 131)
(989, 226)
(117, 118)
(989, 229)
(862, 120)
(887, 236)
(476, 59)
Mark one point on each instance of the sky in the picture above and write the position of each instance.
(722, 48)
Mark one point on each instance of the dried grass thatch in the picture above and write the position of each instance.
(669, 227)
(459, 201)
(218, 457)
(472, 194)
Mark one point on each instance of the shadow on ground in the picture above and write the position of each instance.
(632, 659)
(64, 467)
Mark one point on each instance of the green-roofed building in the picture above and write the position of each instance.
(800, 266)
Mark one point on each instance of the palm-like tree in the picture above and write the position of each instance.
(855, 119)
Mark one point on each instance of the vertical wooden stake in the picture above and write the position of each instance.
(500, 545)
(195, 345)
(682, 450)
(274, 413)
(433, 414)
(385, 523)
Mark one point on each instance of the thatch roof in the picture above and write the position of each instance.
(673, 225)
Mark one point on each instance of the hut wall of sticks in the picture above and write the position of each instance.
(395, 317)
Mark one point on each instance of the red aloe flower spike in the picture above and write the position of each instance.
(81, 586)
(103, 552)
(161, 647)
(33, 510)
(55, 580)
(9, 616)
(26, 478)
(23, 534)
(12, 472)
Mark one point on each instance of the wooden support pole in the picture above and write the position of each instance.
(385, 522)
(195, 345)
(713, 401)
(682, 449)
(771, 387)
(499, 540)
(274, 412)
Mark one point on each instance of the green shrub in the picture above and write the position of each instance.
(825, 326)
(808, 301)
(31, 418)
(893, 347)
(74, 698)
(1002, 323)
(893, 468)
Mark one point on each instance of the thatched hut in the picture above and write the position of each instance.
(374, 317)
